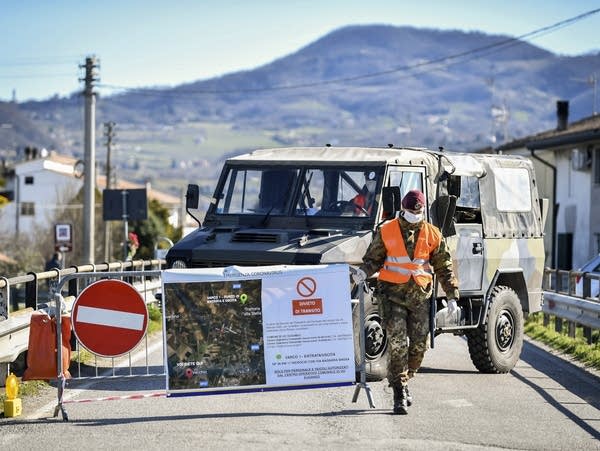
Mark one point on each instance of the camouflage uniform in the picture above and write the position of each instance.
(404, 307)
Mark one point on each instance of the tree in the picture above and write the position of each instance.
(149, 231)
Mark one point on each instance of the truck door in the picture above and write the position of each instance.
(466, 246)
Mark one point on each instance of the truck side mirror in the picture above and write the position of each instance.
(454, 185)
(192, 200)
(390, 199)
(443, 209)
(192, 197)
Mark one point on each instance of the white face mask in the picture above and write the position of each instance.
(411, 217)
(371, 185)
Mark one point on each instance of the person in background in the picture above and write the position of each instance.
(55, 262)
(363, 201)
(133, 244)
(407, 251)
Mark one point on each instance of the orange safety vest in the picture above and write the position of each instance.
(398, 267)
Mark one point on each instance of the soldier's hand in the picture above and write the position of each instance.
(452, 307)
(359, 276)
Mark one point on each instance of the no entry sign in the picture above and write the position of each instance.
(109, 318)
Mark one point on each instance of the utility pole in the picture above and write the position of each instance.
(109, 133)
(593, 80)
(89, 180)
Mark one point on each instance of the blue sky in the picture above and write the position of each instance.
(159, 43)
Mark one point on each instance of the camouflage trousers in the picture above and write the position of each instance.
(407, 327)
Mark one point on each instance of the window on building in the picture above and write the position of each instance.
(29, 180)
(565, 251)
(27, 208)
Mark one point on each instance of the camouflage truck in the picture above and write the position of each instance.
(299, 206)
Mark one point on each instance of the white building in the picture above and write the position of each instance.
(41, 186)
(567, 161)
(44, 186)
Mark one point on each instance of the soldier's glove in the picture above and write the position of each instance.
(452, 307)
(359, 276)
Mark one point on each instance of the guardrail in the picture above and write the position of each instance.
(14, 323)
(572, 296)
(11, 300)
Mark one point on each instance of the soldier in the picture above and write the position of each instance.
(404, 251)
(363, 201)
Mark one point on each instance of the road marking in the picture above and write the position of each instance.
(458, 403)
(111, 318)
(118, 398)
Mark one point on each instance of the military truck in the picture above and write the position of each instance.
(309, 205)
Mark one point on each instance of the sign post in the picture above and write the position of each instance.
(124, 205)
(109, 318)
(63, 237)
(63, 240)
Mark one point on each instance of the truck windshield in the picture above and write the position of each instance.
(257, 191)
(338, 192)
(322, 191)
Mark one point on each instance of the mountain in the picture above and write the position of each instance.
(359, 85)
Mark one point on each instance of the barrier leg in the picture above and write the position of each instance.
(60, 406)
(59, 361)
(361, 338)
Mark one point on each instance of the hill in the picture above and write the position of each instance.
(359, 85)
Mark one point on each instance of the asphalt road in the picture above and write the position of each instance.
(545, 403)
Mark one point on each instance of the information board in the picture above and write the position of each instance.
(257, 328)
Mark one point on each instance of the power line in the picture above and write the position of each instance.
(41, 61)
(462, 56)
(44, 75)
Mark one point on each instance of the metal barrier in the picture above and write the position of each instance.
(580, 311)
(122, 367)
(31, 282)
(107, 368)
(14, 322)
(569, 296)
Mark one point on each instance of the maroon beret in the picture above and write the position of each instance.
(413, 200)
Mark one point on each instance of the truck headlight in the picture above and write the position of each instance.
(179, 264)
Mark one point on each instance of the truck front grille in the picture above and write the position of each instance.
(244, 237)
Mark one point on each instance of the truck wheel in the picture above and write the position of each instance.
(496, 345)
(375, 338)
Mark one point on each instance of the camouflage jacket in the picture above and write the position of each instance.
(440, 260)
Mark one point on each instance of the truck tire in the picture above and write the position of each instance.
(376, 348)
(496, 345)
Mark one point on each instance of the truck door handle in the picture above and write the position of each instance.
(477, 248)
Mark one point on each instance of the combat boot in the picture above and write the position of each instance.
(408, 396)
(400, 403)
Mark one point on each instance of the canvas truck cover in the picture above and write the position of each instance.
(509, 205)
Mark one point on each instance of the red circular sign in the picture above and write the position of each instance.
(306, 287)
(109, 318)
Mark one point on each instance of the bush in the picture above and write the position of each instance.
(577, 347)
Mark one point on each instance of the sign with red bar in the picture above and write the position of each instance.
(109, 318)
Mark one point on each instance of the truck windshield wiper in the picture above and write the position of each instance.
(265, 220)
(276, 203)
